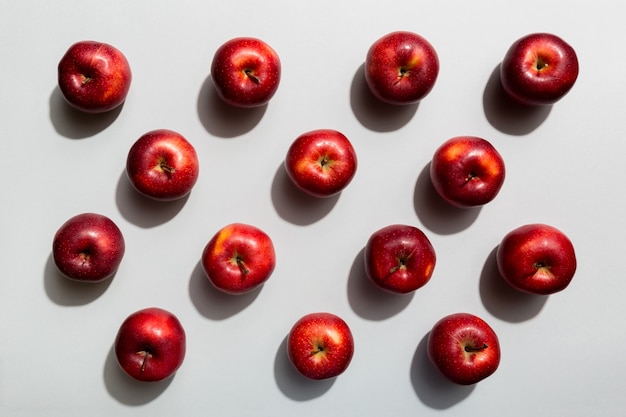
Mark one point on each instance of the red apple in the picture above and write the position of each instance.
(464, 348)
(399, 258)
(239, 258)
(321, 162)
(94, 77)
(246, 72)
(320, 345)
(401, 68)
(162, 165)
(539, 69)
(150, 345)
(467, 171)
(88, 247)
(536, 259)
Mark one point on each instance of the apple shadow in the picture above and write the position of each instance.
(213, 303)
(127, 390)
(143, 211)
(504, 301)
(75, 124)
(435, 213)
(294, 205)
(293, 384)
(221, 119)
(507, 115)
(373, 113)
(65, 292)
(432, 388)
(369, 301)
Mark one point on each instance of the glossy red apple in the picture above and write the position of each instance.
(88, 247)
(246, 72)
(399, 258)
(467, 171)
(239, 258)
(536, 259)
(320, 345)
(162, 165)
(464, 348)
(150, 345)
(539, 69)
(94, 77)
(401, 68)
(321, 162)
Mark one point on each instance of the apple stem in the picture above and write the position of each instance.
(144, 361)
(242, 266)
(165, 167)
(540, 64)
(402, 72)
(250, 74)
(476, 349)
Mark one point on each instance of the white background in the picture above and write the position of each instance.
(562, 354)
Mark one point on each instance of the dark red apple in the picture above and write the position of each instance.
(467, 171)
(401, 68)
(246, 72)
(464, 348)
(88, 247)
(321, 162)
(399, 258)
(94, 77)
(320, 346)
(536, 259)
(239, 258)
(150, 345)
(539, 69)
(162, 165)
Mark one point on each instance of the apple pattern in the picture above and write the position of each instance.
(246, 73)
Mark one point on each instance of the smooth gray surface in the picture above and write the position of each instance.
(562, 355)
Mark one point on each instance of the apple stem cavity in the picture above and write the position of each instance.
(472, 349)
(145, 356)
(402, 72)
(242, 266)
(250, 74)
(164, 167)
(540, 64)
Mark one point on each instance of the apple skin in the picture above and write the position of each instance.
(150, 345)
(321, 162)
(320, 345)
(539, 69)
(238, 258)
(467, 171)
(399, 258)
(162, 165)
(246, 72)
(536, 259)
(401, 68)
(463, 348)
(94, 77)
(88, 247)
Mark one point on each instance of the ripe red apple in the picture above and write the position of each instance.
(239, 258)
(539, 69)
(94, 77)
(467, 171)
(401, 68)
(464, 348)
(399, 258)
(150, 345)
(320, 345)
(246, 72)
(162, 165)
(536, 259)
(88, 247)
(321, 162)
